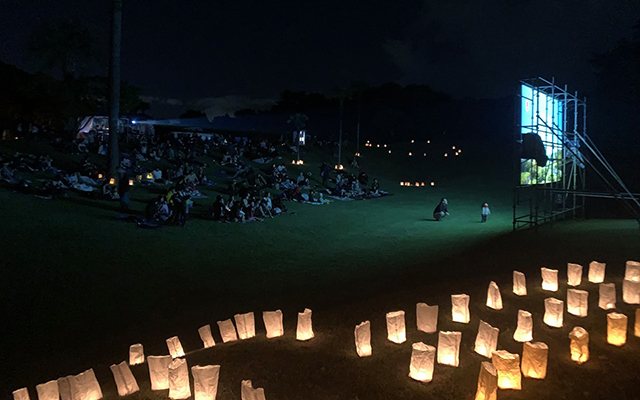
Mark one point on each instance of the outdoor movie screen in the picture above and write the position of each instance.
(542, 115)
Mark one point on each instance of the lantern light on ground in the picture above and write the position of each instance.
(21, 394)
(422, 362)
(460, 308)
(607, 298)
(508, 366)
(205, 381)
(136, 354)
(179, 387)
(130, 182)
(519, 284)
(227, 331)
(247, 392)
(427, 318)
(636, 329)
(596, 272)
(534, 360)
(175, 347)
(632, 271)
(631, 291)
(273, 323)
(159, 372)
(553, 312)
(245, 325)
(577, 302)
(549, 279)
(449, 348)
(363, 339)
(579, 344)
(206, 336)
(616, 329)
(112, 181)
(304, 330)
(494, 298)
(125, 381)
(100, 176)
(524, 330)
(574, 274)
(487, 382)
(48, 391)
(486, 339)
(396, 331)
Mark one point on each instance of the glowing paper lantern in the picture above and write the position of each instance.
(48, 391)
(206, 336)
(519, 284)
(596, 272)
(636, 329)
(616, 329)
(246, 325)
(534, 360)
(427, 318)
(524, 331)
(577, 302)
(85, 386)
(508, 366)
(227, 331)
(486, 339)
(247, 392)
(205, 382)
(487, 382)
(449, 348)
(273, 323)
(607, 300)
(159, 372)
(631, 291)
(179, 379)
(422, 360)
(363, 339)
(574, 274)
(304, 330)
(632, 271)
(136, 354)
(125, 381)
(175, 347)
(460, 308)
(494, 298)
(21, 394)
(64, 387)
(549, 279)
(579, 344)
(396, 331)
(553, 312)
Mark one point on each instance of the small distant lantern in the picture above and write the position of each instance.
(125, 380)
(549, 279)
(632, 271)
(574, 274)
(577, 302)
(377, 145)
(149, 176)
(433, 183)
(401, 183)
(636, 329)
(427, 318)
(48, 391)
(453, 147)
(175, 347)
(412, 140)
(446, 155)
(422, 362)
(363, 339)
(112, 181)
(486, 339)
(205, 381)
(428, 141)
(534, 360)
(385, 145)
(179, 387)
(410, 154)
(421, 183)
(273, 323)
(596, 272)
(524, 331)
(206, 336)
(227, 331)
(508, 366)
(424, 154)
(460, 308)
(159, 372)
(607, 299)
(293, 162)
(519, 284)
(99, 176)
(304, 330)
(579, 344)
(136, 354)
(417, 183)
(553, 312)
(21, 394)
(245, 325)
(487, 382)
(616, 329)
(631, 291)
(396, 331)
(84, 386)
(247, 392)
(494, 298)
(449, 348)
(389, 151)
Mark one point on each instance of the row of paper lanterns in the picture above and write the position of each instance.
(416, 184)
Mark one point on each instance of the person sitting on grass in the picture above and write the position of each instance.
(218, 209)
(441, 210)
(375, 188)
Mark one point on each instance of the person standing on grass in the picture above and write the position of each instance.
(441, 210)
(485, 211)
(123, 191)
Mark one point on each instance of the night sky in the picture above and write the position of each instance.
(228, 54)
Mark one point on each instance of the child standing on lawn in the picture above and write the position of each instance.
(485, 211)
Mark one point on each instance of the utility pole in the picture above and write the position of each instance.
(114, 88)
(342, 97)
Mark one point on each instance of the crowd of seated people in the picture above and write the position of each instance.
(171, 208)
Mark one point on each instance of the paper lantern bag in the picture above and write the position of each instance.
(227, 331)
(179, 387)
(524, 329)
(427, 318)
(631, 291)
(136, 354)
(508, 366)
(205, 381)
(396, 331)
(617, 329)
(574, 274)
(553, 312)
(206, 336)
(304, 330)
(578, 302)
(175, 347)
(549, 279)
(273, 323)
(636, 329)
(519, 284)
(607, 299)
(534, 360)
(486, 339)
(246, 325)
(422, 362)
(494, 298)
(460, 308)
(21, 394)
(159, 372)
(247, 392)
(48, 391)
(632, 271)
(596, 272)
(449, 348)
(125, 380)
(363, 339)
(579, 344)
(487, 382)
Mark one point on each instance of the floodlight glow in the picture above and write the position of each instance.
(134, 122)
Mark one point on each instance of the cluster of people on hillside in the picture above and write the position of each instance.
(246, 207)
(171, 208)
